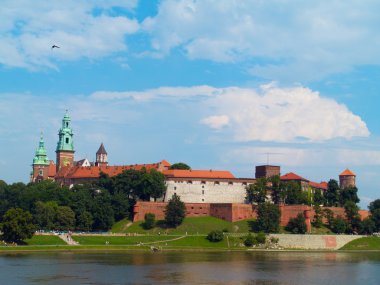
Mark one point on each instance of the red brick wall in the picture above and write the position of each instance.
(230, 212)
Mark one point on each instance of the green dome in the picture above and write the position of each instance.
(40, 157)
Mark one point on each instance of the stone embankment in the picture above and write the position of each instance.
(316, 242)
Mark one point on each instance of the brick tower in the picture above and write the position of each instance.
(347, 179)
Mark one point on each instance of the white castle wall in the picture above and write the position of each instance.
(194, 191)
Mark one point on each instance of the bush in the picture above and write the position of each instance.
(297, 225)
(150, 221)
(215, 236)
(175, 211)
(225, 230)
(250, 240)
(274, 240)
(261, 238)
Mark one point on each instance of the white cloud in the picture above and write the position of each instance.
(295, 114)
(284, 40)
(216, 122)
(29, 30)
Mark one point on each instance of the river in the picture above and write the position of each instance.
(253, 268)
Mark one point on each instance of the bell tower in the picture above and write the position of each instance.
(65, 146)
(40, 163)
(101, 156)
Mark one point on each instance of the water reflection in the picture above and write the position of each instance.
(264, 268)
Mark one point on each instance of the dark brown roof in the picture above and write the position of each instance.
(101, 150)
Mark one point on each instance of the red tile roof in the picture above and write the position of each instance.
(322, 185)
(292, 176)
(347, 172)
(94, 171)
(179, 173)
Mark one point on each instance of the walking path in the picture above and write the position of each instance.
(68, 239)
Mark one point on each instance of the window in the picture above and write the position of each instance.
(203, 186)
(41, 172)
(175, 188)
(216, 182)
(203, 200)
(189, 182)
(67, 124)
(203, 192)
(244, 183)
(230, 183)
(67, 140)
(203, 182)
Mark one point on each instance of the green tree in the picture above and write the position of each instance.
(180, 165)
(332, 193)
(268, 218)
(215, 236)
(367, 226)
(374, 208)
(353, 217)
(257, 192)
(329, 215)
(84, 221)
(17, 225)
(45, 215)
(65, 218)
(318, 216)
(318, 198)
(275, 188)
(339, 226)
(175, 211)
(149, 221)
(294, 194)
(349, 194)
(297, 225)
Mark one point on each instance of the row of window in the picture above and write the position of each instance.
(215, 182)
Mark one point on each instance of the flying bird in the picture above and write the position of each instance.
(54, 46)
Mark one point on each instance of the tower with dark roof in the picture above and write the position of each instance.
(101, 156)
(347, 179)
(65, 146)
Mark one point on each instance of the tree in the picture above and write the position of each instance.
(339, 226)
(318, 198)
(297, 225)
(294, 194)
(180, 165)
(329, 215)
(257, 192)
(45, 215)
(84, 221)
(17, 225)
(349, 194)
(277, 194)
(215, 236)
(149, 221)
(318, 216)
(175, 211)
(65, 218)
(367, 226)
(374, 208)
(332, 193)
(268, 218)
(353, 217)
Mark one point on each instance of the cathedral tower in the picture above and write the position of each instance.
(101, 156)
(40, 163)
(65, 146)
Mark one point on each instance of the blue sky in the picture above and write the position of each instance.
(216, 84)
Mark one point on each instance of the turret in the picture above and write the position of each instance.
(40, 163)
(65, 146)
(347, 179)
(101, 156)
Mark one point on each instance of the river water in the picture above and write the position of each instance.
(253, 268)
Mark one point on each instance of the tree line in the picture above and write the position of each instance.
(92, 206)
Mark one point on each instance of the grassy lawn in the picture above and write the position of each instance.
(365, 243)
(45, 240)
(118, 240)
(191, 226)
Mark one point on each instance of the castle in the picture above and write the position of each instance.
(193, 186)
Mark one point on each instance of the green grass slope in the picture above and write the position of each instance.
(45, 240)
(365, 243)
(191, 226)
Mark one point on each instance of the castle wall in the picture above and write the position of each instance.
(203, 191)
(232, 211)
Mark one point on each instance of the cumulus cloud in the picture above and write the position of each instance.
(270, 113)
(282, 40)
(83, 29)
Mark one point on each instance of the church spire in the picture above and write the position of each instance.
(101, 156)
(40, 157)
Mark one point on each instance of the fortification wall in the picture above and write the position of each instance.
(197, 191)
